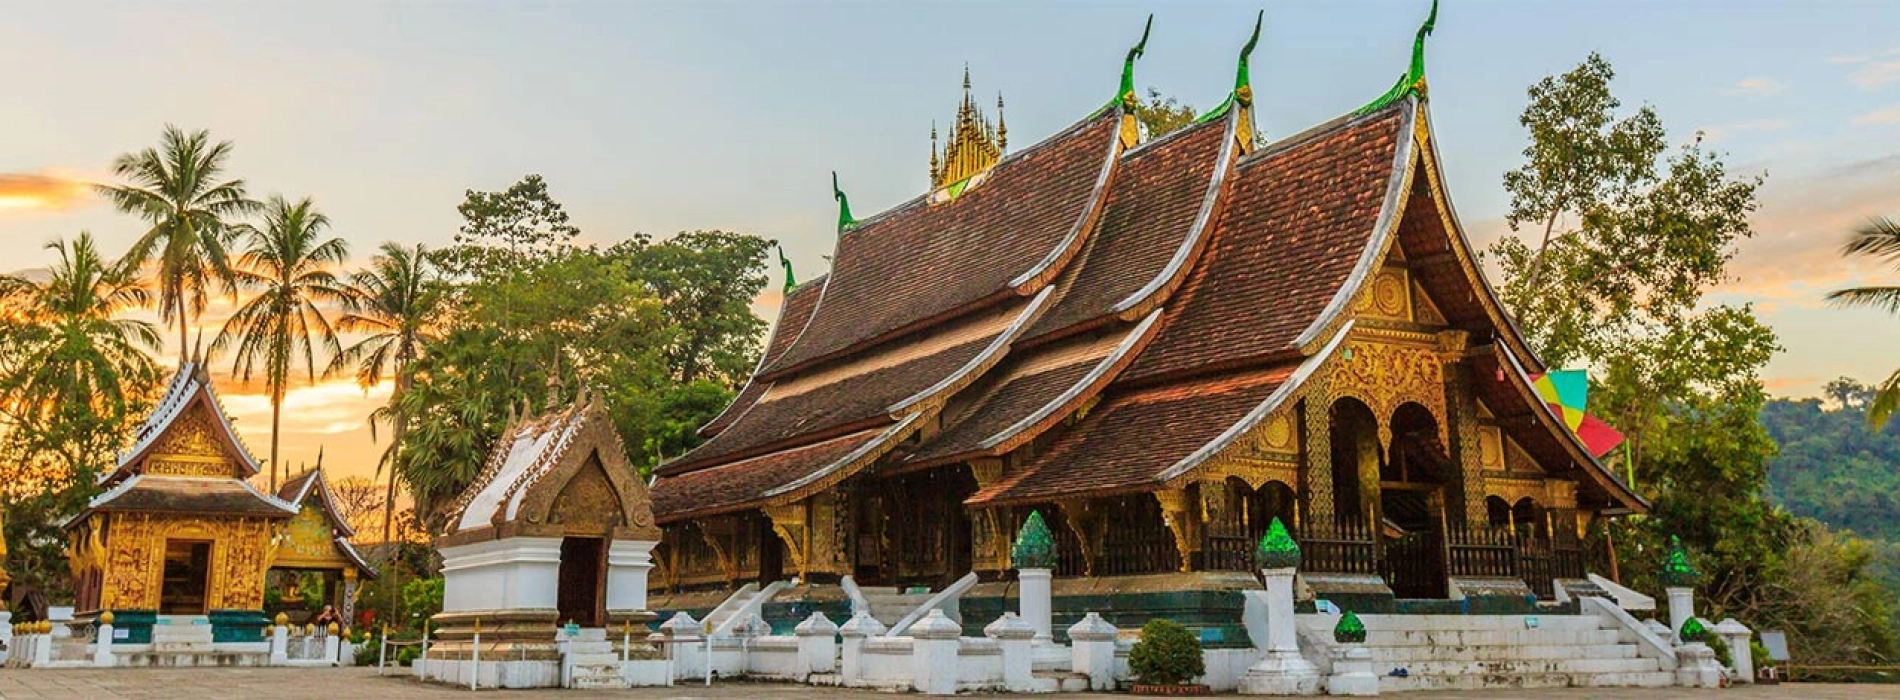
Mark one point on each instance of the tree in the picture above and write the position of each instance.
(705, 281)
(288, 262)
(1160, 115)
(356, 499)
(1879, 240)
(73, 370)
(177, 188)
(1628, 238)
(508, 230)
(72, 374)
(395, 304)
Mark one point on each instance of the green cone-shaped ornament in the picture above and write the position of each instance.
(1277, 549)
(1677, 572)
(1349, 630)
(1035, 546)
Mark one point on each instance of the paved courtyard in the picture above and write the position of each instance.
(363, 684)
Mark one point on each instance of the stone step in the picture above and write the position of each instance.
(589, 647)
(1383, 638)
(1519, 667)
(1401, 653)
(600, 659)
(1649, 679)
(1476, 622)
(1063, 681)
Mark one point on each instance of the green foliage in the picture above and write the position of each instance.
(1160, 115)
(1167, 654)
(1621, 240)
(1878, 239)
(368, 650)
(421, 600)
(663, 331)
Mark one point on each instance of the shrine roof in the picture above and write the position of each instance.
(188, 495)
(191, 382)
(793, 313)
(1130, 441)
(742, 484)
(524, 453)
(1296, 230)
(926, 260)
(537, 461)
(1150, 227)
(301, 487)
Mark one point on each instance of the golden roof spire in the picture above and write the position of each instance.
(973, 144)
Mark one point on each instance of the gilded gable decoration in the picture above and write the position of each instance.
(973, 148)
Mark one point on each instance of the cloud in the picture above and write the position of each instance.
(1875, 69)
(1882, 116)
(1723, 132)
(1875, 74)
(1803, 220)
(45, 191)
(1755, 87)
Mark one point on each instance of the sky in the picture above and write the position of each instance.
(659, 117)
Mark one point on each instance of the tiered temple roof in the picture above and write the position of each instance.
(1137, 307)
(310, 492)
(187, 459)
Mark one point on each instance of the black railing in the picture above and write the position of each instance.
(1345, 547)
(1521, 552)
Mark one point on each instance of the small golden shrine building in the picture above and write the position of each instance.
(179, 529)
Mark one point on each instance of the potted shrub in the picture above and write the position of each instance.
(1167, 660)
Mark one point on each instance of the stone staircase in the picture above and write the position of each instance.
(888, 605)
(1472, 652)
(592, 663)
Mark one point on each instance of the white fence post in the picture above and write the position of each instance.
(1092, 643)
(817, 644)
(102, 642)
(934, 653)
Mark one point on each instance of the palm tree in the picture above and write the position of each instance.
(289, 266)
(177, 188)
(394, 304)
(72, 365)
(1878, 239)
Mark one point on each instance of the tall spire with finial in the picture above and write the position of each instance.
(934, 167)
(1002, 129)
(844, 205)
(1412, 82)
(972, 146)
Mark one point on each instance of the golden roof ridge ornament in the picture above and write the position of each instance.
(973, 146)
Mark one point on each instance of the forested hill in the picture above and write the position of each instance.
(1834, 469)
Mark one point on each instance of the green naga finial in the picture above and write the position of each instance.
(1349, 630)
(844, 205)
(1413, 81)
(1035, 545)
(791, 282)
(1277, 549)
(1243, 80)
(1677, 572)
(1127, 94)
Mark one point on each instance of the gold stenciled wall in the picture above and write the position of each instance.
(134, 559)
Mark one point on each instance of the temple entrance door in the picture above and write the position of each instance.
(1412, 517)
(582, 580)
(771, 554)
(187, 577)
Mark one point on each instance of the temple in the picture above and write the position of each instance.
(179, 531)
(316, 543)
(1160, 344)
